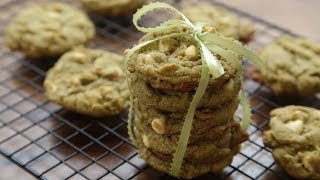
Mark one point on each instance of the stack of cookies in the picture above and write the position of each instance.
(164, 76)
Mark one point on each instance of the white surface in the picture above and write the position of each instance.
(299, 16)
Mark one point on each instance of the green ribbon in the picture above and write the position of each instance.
(208, 43)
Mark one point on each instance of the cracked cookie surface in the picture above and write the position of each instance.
(48, 30)
(294, 136)
(291, 66)
(89, 81)
(224, 21)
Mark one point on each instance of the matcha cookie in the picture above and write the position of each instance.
(210, 146)
(113, 8)
(189, 170)
(204, 151)
(224, 21)
(48, 30)
(173, 64)
(292, 66)
(294, 136)
(168, 123)
(179, 101)
(89, 81)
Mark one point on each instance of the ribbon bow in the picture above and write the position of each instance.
(208, 43)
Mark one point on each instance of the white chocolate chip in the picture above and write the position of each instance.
(169, 68)
(135, 130)
(158, 125)
(229, 85)
(136, 119)
(149, 59)
(168, 46)
(111, 72)
(210, 29)
(296, 125)
(105, 90)
(145, 141)
(299, 115)
(52, 87)
(191, 51)
(93, 97)
(78, 57)
(75, 81)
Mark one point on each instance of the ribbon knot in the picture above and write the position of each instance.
(197, 30)
(208, 44)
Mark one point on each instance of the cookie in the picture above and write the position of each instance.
(88, 81)
(291, 66)
(294, 136)
(204, 151)
(179, 101)
(173, 64)
(48, 30)
(168, 123)
(224, 21)
(189, 170)
(201, 147)
(112, 8)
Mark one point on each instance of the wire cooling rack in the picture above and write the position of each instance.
(50, 142)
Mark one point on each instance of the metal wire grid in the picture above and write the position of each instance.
(52, 143)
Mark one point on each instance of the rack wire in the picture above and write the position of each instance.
(50, 142)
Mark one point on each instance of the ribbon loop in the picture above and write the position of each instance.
(207, 43)
(158, 5)
(226, 43)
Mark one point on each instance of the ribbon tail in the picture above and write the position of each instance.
(235, 63)
(246, 115)
(187, 125)
(129, 126)
(227, 56)
(129, 54)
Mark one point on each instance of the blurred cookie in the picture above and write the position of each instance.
(113, 8)
(48, 30)
(294, 136)
(89, 81)
(292, 66)
(224, 21)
